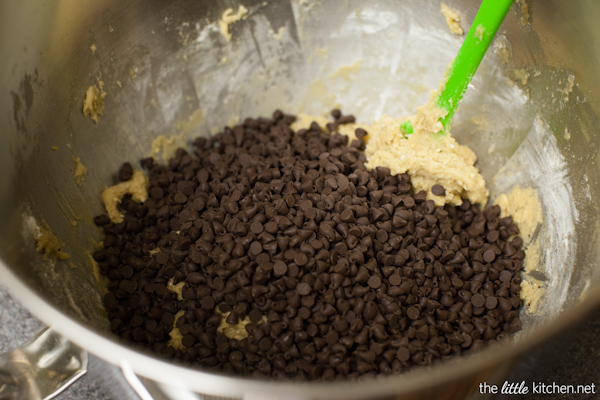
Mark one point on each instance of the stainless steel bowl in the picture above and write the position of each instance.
(169, 70)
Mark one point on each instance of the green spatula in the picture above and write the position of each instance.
(485, 25)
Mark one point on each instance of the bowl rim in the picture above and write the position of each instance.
(168, 373)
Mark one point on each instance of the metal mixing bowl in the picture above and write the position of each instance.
(168, 70)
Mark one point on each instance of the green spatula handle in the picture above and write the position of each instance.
(485, 25)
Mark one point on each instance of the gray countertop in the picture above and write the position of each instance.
(573, 358)
(570, 358)
(18, 325)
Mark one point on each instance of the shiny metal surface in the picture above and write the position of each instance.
(168, 70)
(40, 368)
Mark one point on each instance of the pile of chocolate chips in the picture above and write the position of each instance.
(341, 271)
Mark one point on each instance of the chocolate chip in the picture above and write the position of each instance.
(300, 259)
(280, 268)
(102, 220)
(255, 316)
(374, 282)
(341, 271)
(478, 300)
(162, 257)
(413, 313)
(125, 172)
(303, 288)
(256, 227)
(208, 303)
(255, 248)
(395, 279)
(505, 276)
(493, 236)
(489, 256)
(438, 190)
(491, 302)
(403, 354)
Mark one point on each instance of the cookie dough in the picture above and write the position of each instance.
(429, 158)
(80, 171)
(532, 292)
(93, 105)
(524, 206)
(137, 187)
(175, 334)
(521, 75)
(503, 49)
(532, 289)
(229, 18)
(479, 31)
(176, 288)
(570, 84)
(102, 280)
(48, 244)
(452, 19)
(234, 331)
(525, 12)
(167, 146)
(277, 35)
